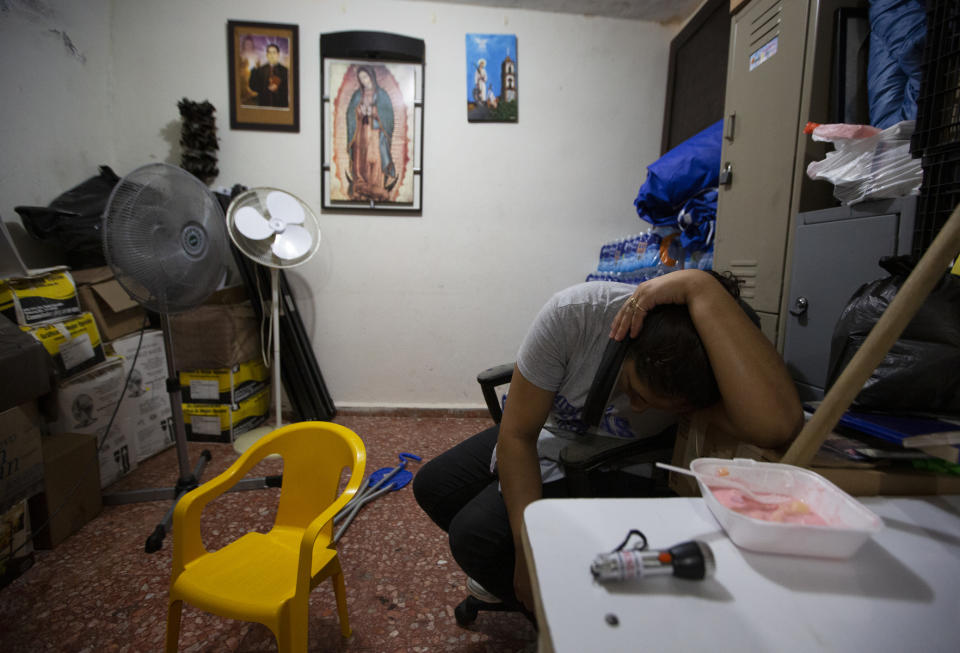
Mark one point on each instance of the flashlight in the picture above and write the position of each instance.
(692, 560)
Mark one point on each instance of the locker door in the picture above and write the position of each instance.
(762, 108)
(834, 254)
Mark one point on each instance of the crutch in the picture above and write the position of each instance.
(384, 480)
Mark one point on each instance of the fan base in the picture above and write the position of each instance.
(246, 440)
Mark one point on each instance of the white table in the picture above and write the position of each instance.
(900, 592)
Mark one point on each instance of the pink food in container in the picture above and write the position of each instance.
(811, 516)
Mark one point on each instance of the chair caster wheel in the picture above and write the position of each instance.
(155, 541)
(465, 613)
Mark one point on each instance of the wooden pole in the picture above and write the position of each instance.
(929, 270)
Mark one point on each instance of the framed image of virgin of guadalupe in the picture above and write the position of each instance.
(372, 115)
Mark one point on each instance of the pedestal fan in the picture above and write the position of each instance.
(164, 238)
(278, 230)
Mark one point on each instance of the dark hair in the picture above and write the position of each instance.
(274, 46)
(670, 357)
(372, 75)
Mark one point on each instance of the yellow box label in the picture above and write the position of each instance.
(214, 419)
(53, 335)
(40, 299)
(226, 385)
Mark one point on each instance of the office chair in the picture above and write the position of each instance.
(577, 458)
(267, 577)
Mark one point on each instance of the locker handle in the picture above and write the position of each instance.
(728, 126)
(800, 307)
(726, 174)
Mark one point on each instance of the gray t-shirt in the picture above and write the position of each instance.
(561, 353)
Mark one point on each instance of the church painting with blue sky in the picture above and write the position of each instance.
(492, 77)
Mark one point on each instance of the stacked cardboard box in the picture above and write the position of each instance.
(223, 403)
(47, 307)
(21, 457)
(145, 414)
(16, 549)
(44, 298)
(71, 495)
(27, 377)
(85, 398)
(222, 333)
(116, 313)
(73, 343)
(21, 477)
(224, 385)
(86, 404)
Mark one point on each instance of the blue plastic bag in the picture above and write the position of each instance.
(680, 174)
(898, 30)
(697, 220)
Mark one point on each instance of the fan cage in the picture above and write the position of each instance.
(164, 237)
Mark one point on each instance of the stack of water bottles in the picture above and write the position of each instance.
(646, 255)
(679, 201)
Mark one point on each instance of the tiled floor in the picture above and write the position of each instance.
(98, 590)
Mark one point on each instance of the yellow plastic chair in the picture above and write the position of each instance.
(267, 577)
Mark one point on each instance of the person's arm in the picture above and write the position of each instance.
(759, 401)
(518, 465)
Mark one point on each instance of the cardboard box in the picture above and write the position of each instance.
(224, 386)
(880, 482)
(115, 311)
(21, 457)
(693, 441)
(215, 336)
(145, 414)
(16, 549)
(18, 351)
(74, 344)
(52, 296)
(222, 422)
(71, 488)
(85, 404)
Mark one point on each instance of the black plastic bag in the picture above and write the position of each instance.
(73, 220)
(919, 373)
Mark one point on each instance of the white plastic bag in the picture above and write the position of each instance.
(865, 166)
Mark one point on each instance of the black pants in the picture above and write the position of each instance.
(460, 494)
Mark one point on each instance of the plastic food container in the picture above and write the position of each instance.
(850, 522)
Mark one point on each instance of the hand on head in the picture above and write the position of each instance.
(669, 289)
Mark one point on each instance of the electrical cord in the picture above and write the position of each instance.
(266, 324)
(84, 477)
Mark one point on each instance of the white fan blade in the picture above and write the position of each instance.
(292, 243)
(251, 224)
(285, 206)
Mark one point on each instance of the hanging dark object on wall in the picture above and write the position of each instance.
(198, 139)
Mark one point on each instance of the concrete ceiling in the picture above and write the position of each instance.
(658, 11)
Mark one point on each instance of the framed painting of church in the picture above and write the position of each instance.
(372, 117)
(492, 78)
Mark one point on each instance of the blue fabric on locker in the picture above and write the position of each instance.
(679, 175)
(897, 33)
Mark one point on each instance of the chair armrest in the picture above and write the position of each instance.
(489, 380)
(595, 452)
(310, 534)
(187, 541)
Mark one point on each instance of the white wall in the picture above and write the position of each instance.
(54, 116)
(404, 311)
